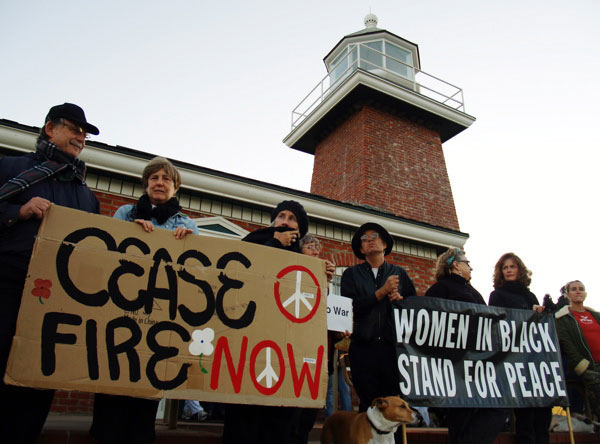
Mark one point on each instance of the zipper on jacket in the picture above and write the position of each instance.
(582, 338)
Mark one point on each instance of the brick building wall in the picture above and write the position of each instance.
(388, 162)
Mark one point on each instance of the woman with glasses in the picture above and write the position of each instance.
(124, 419)
(374, 285)
(311, 246)
(452, 276)
(304, 418)
(511, 284)
(465, 425)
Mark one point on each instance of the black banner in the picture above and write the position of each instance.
(456, 354)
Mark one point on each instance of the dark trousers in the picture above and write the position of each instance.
(532, 425)
(258, 424)
(475, 426)
(374, 371)
(591, 381)
(375, 374)
(303, 420)
(24, 410)
(123, 419)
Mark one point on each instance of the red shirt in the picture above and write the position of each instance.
(591, 331)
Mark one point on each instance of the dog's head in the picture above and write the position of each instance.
(395, 409)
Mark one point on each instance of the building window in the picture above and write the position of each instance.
(335, 286)
(341, 63)
(383, 54)
(370, 59)
(395, 52)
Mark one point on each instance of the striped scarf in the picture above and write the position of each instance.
(55, 161)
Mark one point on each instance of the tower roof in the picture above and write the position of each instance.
(373, 64)
(371, 30)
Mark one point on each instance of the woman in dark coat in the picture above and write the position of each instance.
(258, 424)
(465, 425)
(511, 283)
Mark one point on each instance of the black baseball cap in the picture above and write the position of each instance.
(72, 113)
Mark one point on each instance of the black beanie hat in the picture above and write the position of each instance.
(297, 209)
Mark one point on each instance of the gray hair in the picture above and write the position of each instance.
(43, 134)
(309, 239)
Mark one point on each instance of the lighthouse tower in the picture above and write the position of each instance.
(375, 125)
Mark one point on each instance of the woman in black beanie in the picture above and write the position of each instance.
(289, 224)
(258, 424)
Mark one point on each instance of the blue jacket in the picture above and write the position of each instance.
(17, 236)
(177, 220)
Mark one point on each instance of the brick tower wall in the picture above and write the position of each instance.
(378, 159)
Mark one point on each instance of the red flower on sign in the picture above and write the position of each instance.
(42, 289)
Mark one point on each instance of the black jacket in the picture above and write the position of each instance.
(513, 295)
(17, 237)
(573, 344)
(455, 288)
(373, 319)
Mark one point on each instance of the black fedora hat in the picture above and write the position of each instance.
(72, 113)
(385, 236)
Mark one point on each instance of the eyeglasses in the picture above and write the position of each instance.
(466, 262)
(313, 247)
(77, 130)
(366, 237)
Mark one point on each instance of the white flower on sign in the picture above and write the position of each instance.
(202, 344)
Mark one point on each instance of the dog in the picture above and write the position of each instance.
(375, 426)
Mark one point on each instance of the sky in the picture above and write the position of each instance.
(214, 84)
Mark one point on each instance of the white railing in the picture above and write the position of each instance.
(412, 78)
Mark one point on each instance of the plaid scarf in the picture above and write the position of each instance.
(56, 161)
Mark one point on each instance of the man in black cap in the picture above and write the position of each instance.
(29, 184)
(373, 286)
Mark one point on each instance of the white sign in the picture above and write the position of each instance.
(339, 313)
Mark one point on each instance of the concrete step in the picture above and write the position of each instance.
(70, 429)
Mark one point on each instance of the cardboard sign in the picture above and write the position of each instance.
(456, 354)
(110, 308)
(339, 313)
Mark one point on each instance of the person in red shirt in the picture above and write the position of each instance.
(578, 329)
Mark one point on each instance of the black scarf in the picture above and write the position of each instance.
(263, 235)
(160, 212)
(520, 289)
(54, 162)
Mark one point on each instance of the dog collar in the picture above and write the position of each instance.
(379, 432)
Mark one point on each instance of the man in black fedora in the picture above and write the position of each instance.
(29, 185)
(373, 286)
